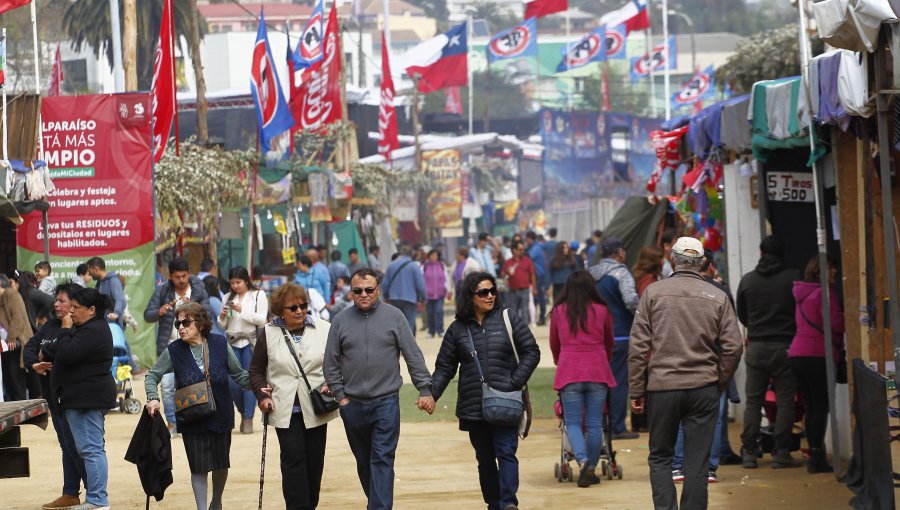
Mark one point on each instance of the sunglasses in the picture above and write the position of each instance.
(368, 290)
(294, 308)
(484, 293)
(186, 323)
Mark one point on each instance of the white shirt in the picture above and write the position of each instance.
(254, 314)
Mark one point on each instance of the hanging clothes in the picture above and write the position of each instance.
(735, 130)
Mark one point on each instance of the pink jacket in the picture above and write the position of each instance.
(809, 339)
(584, 356)
(435, 280)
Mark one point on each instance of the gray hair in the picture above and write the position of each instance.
(4, 281)
(680, 261)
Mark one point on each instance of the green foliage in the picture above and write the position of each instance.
(376, 182)
(87, 22)
(486, 173)
(20, 44)
(624, 96)
(765, 56)
(436, 9)
(497, 16)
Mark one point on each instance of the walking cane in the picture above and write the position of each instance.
(262, 462)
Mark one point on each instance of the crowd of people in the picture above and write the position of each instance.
(660, 339)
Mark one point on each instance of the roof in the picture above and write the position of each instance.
(404, 35)
(718, 42)
(236, 11)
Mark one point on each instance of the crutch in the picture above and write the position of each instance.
(262, 462)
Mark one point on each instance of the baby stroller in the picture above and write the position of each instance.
(121, 372)
(562, 470)
(770, 411)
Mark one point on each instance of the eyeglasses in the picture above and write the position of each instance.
(484, 293)
(368, 290)
(186, 323)
(294, 308)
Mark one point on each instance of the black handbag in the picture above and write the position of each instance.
(195, 402)
(320, 403)
(504, 408)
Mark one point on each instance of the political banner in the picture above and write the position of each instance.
(615, 42)
(445, 204)
(518, 41)
(702, 86)
(99, 151)
(591, 48)
(655, 60)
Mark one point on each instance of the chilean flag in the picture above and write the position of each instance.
(539, 8)
(272, 112)
(633, 15)
(439, 62)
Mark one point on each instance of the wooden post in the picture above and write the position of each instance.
(129, 44)
(202, 107)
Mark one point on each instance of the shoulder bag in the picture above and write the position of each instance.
(840, 366)
(525, 422)
(196, 401)
(320, 403)
(503, 408)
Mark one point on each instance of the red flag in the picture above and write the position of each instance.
(387, 118)
(317, 100)
(163, 87)
(56, 75)
(8, 5)
(539, 8)
(453, 104)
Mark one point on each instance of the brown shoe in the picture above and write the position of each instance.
(247, 426)
(64, 501)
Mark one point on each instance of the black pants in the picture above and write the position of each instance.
(498, 468)
(14, 377)
(302, 463)
(765, 360)
(697, 410)
(813, 383)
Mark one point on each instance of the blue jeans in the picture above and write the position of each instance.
(167, 387)
(618, 396)
(408, 309)
(518, 303)
(87, 426)
(716, 450)
(243, 399)
(373, 430)
(498, 467)
(582, 404)
(72, 464)
(540, 301)
(435, 310)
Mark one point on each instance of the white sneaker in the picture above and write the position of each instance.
(89, 506)
(677, 475)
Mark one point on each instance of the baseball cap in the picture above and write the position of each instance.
(685, 245)
(611, 245)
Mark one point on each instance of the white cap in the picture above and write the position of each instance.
(685, 245)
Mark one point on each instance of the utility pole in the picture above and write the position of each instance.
(129, 44)
(118, 72)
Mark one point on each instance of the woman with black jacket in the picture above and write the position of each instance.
(480, 326)
(83, 385)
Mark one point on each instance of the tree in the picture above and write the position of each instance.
(496, 15)
(20, 45)
(624, 96)
(765, 56)
(87, 23)
(202, 108)
(435, 9)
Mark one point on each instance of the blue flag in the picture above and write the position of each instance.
(656, 59)
(591, 48)
(700, 87)
(272, 111)
(516, 42)
(309, 50)
(615, 42)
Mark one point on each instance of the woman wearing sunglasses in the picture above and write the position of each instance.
(480, 327)
(294, 339)
(196, 355)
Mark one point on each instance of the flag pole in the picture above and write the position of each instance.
(667, 65)
(571, 79)
(174, 75)
(5, 130)
(469, 74)
(37, 78)
(649, 40)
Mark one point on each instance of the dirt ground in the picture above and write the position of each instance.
(435, 469)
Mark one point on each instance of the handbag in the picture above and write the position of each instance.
(840, 366)
(525, 422)
(196, 401)
(320, 403)
(503, 408)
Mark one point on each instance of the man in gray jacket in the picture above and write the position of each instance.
(685, 347)
(362, 370)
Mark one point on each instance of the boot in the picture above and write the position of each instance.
(586, 476)
(748, 458)
(64, 501)
(783, 459)
(247, 426)
(818, 462)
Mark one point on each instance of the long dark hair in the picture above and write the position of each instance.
(241, 273)
(579, 292)
(465, 308)
(561, 260)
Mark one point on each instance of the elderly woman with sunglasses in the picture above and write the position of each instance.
(195, 356)
(294, 340)
(481, 327)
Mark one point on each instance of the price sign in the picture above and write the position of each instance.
(790, 187)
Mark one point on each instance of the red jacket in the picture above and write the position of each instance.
(584, 356)
(809, 341)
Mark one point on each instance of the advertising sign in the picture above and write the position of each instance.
(445, 204)
(790, 187)
(99, 150)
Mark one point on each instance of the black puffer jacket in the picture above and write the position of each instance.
(495, 355)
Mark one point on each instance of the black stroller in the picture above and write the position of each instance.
(562, 470)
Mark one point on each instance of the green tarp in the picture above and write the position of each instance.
(637, 225)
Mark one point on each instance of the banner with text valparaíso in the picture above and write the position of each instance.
(99, 152)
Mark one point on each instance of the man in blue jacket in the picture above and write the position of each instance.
(616, 285)
(403, 285)
(536, 254)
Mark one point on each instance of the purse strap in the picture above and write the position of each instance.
(474, 353)
(290, 344)
(802, 314)
(205, 360)
(509, 333)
